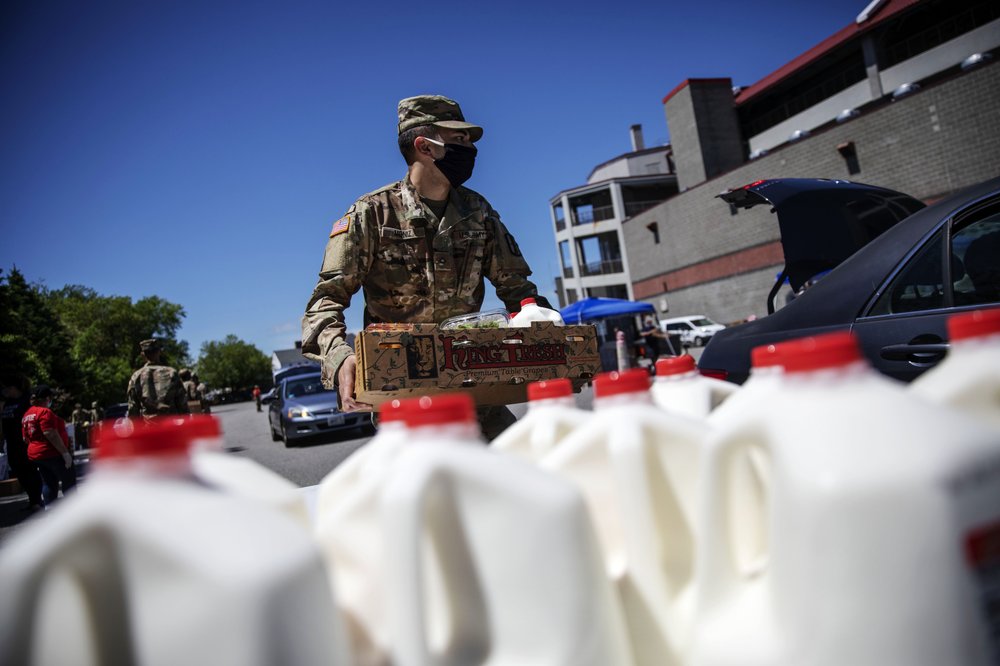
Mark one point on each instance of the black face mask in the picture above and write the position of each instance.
(457, 163)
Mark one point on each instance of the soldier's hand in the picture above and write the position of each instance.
(67, 459)
(345, 383)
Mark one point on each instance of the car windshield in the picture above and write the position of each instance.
(703, 322)
(296, 388)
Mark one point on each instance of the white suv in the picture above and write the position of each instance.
(695, 330)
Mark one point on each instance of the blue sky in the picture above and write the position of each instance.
(200, 151)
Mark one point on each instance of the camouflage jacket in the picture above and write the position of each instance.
(79, 417)
(411, 266)
(191, 391)
(155, 390)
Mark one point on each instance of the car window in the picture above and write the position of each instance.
(703, 322)
(677, 327)
(296, 388)
(977, 244)
(971, 275)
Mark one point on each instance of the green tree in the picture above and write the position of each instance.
(106, 331)
(33, 339)
(233, 363)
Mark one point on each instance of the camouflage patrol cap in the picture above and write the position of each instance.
(434, 110)
(150, 345)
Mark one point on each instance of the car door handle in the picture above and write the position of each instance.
(924, 352)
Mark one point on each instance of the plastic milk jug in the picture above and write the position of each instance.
(552, 414)
(348, 531)
(444, 555)
(494, 559)
(757, 392)
(144, 565)
(531, 311)
(883, 520)
(680, 388)
(249, 480)
(969, 377)
(638, 467)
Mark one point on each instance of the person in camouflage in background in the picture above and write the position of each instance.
(191, 392)
(81, 423)
(155, 389)
(419, 248)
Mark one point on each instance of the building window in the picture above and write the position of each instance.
(654, 229)
(567, 261)
(600, 254)
(560, 217)
(570, 296)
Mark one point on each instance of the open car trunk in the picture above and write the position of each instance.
(822, 222)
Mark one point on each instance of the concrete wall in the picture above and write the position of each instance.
(631, 166)
(704, 130)
(820, 114)
(934, 142)
(940, 58)
(984, 38)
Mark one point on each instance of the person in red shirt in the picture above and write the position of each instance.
(256, 396)
(47, 440)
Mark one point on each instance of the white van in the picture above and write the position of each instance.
(695, 330)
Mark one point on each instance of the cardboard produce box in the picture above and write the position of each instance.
(494, 365)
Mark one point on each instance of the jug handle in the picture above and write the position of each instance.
(466, 611)
(722, 565)
(86, 558)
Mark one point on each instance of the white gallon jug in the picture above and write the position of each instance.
(874, 499)
(969, 377)
(552, 414)
(504, 566)
(350, 536)
(494, 560)
(757, 392)
(680, 388)
(144, 565)
(249, 480)
(638, 468)
(531, 311)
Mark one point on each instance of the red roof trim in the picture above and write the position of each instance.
(889, 10)
(685, 82)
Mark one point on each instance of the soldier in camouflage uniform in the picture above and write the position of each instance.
(191, 393)
(419, 248)
(154, 389)
(81, 422)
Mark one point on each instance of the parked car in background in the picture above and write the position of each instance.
(695, 330)
(303, 408)
(896, 293)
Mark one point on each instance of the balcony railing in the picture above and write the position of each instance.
(595, 214)
(604, 267)
(560, 224)
(633, 208)
(567, 271)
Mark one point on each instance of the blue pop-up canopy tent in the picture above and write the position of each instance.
(599, 308)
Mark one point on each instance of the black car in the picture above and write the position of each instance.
(302, 407)
(895, 293)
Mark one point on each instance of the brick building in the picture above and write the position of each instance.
(891, 100)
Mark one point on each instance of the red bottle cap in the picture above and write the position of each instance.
(550, 388)
(829, 350)
(526, 301)
(438, 409)
(675, 365)
(391, 411)
(635, 380)
(766, 356)
(163, 436)
(974, 324)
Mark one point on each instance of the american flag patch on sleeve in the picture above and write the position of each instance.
(340, 226)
